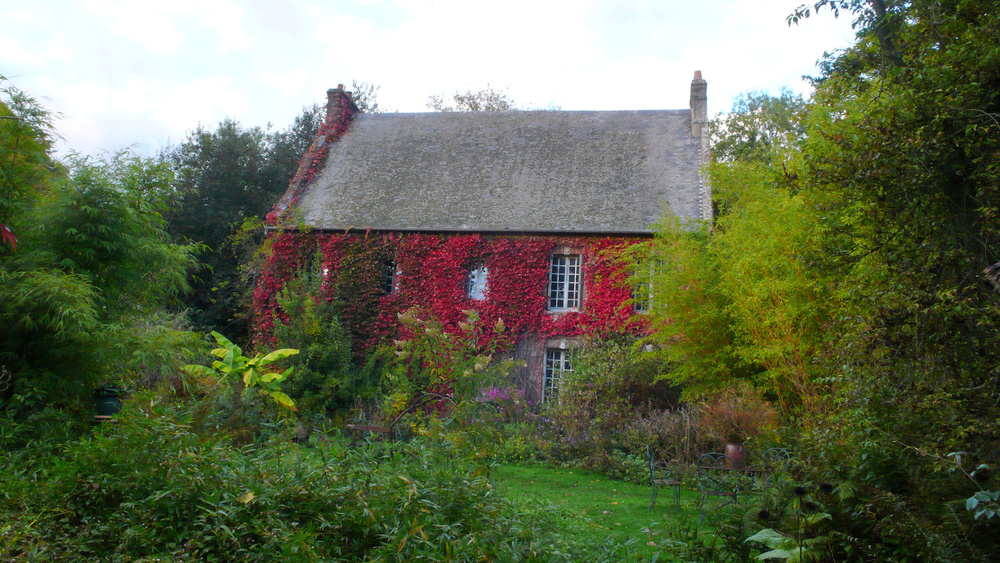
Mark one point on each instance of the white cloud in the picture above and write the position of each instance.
(124, 71)
(150, 24)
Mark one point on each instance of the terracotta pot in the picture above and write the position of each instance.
(737, 456)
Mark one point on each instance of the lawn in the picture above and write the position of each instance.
(598, 510)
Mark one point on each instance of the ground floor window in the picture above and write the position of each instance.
(557, 364)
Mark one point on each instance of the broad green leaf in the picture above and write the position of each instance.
(228, 358)
(279, 354)
(226, 343)
(773, 539)
(197, 370)
(276, 376)
(283, 400)
(775, 554)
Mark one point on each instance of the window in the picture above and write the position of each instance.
(641, 294)
(475, 286)
(556, 366)
(388, 276)
(565, 282)
(642, 290)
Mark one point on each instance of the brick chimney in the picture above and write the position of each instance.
(699, 105)
(338, 100)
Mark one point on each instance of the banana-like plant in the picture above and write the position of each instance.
(253, 370)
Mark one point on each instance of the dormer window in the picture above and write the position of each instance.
(475, 286)
(565, 282)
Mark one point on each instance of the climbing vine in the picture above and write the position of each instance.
(330, 131)
(430, 272)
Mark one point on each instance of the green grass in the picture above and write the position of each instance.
(598, 510)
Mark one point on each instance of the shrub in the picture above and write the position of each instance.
(325, 378)
(149, 487)
(737, 414)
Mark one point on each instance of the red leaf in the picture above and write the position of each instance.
(7, 236)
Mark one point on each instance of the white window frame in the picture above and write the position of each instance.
(475, 283)
(557, 365)
(565, 282)
(643, 290)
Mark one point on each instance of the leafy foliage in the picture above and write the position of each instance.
(759, 127)
(94, 264)
(26, 135)
(430, 360)
(485, 99)
(254, 372)
(148, 487)
(326, 377)
(843, 275)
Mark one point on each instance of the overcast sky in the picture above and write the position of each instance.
(142, 73)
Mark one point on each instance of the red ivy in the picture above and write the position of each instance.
(432, 273)
(330, 131)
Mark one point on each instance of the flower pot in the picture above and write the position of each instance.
(736, 455)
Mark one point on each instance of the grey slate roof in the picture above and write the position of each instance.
(526, 171)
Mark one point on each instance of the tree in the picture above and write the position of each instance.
(26, 135)
(759, 127)
(93, 271)
(225, 176)
(230, 178)
(486, 99)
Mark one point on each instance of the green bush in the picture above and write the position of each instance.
(325, 378)
(149, 487)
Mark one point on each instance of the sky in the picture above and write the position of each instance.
(142, 74)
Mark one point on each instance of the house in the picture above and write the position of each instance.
(517, 215)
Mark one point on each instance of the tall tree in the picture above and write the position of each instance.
(93, 262)
(230, 178)
(225, 176)
(759, 127)
(26, 135)
(485, 99)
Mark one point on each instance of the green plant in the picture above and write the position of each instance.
(435, 361)
(325, 376)
(148, 487)
(254, 372)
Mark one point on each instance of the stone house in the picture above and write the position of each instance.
(517, 215)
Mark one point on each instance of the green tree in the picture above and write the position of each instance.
(225, 176)
(485, 99)
(26, 135)
(230, 178)
(93, 267)
(759, 126)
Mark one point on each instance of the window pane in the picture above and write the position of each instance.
(556, 366)
(475, 287)
(388, 276)
(564, 282)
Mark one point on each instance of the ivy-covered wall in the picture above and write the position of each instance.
(431, 273)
